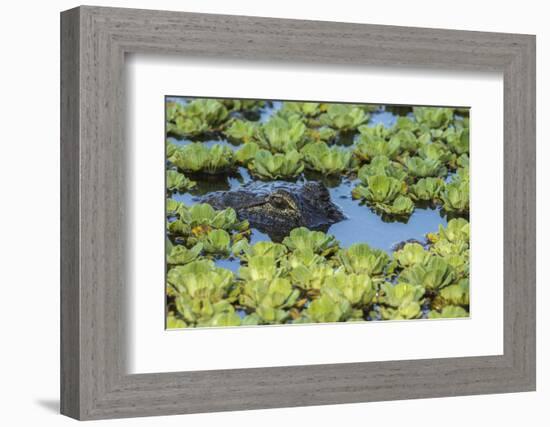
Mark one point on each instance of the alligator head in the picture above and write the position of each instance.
(277, 207)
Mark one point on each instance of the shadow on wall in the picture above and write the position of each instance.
(52, 405)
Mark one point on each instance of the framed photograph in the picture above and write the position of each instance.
(262, 213)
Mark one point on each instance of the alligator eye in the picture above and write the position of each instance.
(279, 203)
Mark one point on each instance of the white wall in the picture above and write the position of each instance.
(29, 226)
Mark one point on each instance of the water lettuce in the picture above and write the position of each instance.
(422, 168)
(303, 239)
(344, 117)
(432, 275)
(260, 267)
(448, 312)
(276, 166)
(456, 197)
(327, 309)
(406, 140)
(427, 189)
(265, 248)
(401, 301)
(436, 152)
(367, 149)
(176, 181)
(358, 289)
(179, 254)
(196, 118)
(360, 258)
(383, 166)
(269, 298)
(458, 140)
(241, 130)
(199, 219)
(217, 242)
(311, 277)
(456, 294)
(411, 254)
(308, 109)
(282, 134)
(378, 189)
(433, 117)
(202, 291)
(196, 157)
(329, 161)
(246, 153)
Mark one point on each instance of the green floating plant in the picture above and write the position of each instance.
(243, 105)
(269, 299)
(242, 131)
(433, 117)
(422, 168)
(379, 131)
(383, 166)
(270, 249)
(412, 254)
(427, 189)
(360, 258)
(196, 157)
(456, 294)
(170, 149)
(401, 301)
(329, 161)
(176, 181)
(311, 278)
(179, 254)
(344, 117)
(282, 134)
(307, 109)
(173, 207)
(383, 193)
(448, 312)
(222, 319)
(196, 118)
(197, 220)
(276, 166)
(318, 242)
(457, 231)
(406, 140)
(246, 153)
(433, 275)
(456, 196)
(327, 309)
(368, 148)
(458, 140)
(173, 322)
(358, 289)
(202, 292)
(378, 189)
(217, 242)
(438, 152)
(260, 267)
(302, 257)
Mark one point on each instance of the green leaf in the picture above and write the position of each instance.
(360, 258)
(329, 161)
(196, 157)
(275, 166)
(303, 239)
(449, 312)
(178, 181)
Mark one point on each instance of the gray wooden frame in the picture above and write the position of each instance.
(94, 41)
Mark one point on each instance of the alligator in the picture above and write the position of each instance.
(276, 207)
